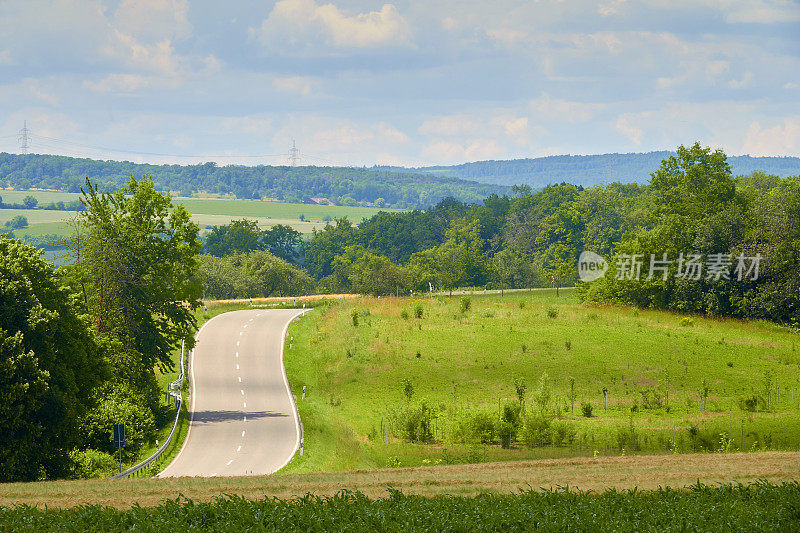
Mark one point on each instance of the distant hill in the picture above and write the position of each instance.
(590, 170)
(339, 185)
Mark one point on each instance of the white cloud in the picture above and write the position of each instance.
(455, 152)
(252, 125)
(293, 84)
(557, 109)
(625, 125)
(744, 82)
(764, 12)
(5, 58)
(153, 21)
(127, 83)
(506, 36)
(449, 126)
(781, 139)
(300, 25)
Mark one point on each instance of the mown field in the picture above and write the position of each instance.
(205, 212)
(673, 384)
(755, 507)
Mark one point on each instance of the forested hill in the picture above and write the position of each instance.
(590, 170)
(341, 185)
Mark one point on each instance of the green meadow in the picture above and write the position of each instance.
(205, 212)
(673, 384)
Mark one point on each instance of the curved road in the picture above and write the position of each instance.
(243, 419)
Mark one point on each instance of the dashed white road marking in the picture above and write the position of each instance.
(244, 326)
(242, 433)
(237, 344)
(241, 333)
(237, 354)
(237, 366)
(242, 391)
(240, 378)
(245, 405)
(229, 463)
(245, 419)
(239, 448)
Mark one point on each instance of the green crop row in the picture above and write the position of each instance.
(756, 507)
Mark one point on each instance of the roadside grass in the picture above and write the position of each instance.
(603, 473)
(654, 366)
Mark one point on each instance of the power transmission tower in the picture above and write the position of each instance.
(23, 137)
(294, 154)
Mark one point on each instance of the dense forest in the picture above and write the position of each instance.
(340, 185)
(590, 170)
(693, 210)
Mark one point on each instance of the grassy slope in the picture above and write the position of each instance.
(644, 473)
(468, 360)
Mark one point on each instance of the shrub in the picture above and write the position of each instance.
(416, 423)
(118, 403)
(506, 433)
(536, 430)
(418, 311)
(404, 314)
(753, 403)
(687, 321)
(91, 464)
(466, 303)
(586, 409)
(552, 312)
(354, 316)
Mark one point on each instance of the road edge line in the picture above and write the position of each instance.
(194, 396)
(289, 391)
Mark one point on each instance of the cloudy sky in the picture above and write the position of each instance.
(408, 83)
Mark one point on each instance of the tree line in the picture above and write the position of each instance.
(693, 206)
(340, 185)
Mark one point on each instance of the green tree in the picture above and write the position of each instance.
(282, 241)
(136, 258)
(30, 202)
(238, 236)
(49, 366)
(18, 222)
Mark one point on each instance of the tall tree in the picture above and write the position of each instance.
(49, 366)
(137, 255)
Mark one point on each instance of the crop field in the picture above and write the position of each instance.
(756, 507)
(596, 474)
(205, 212)
(673, 384)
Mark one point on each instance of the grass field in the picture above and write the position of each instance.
(597, 474)
(461, 364)
(205, 212)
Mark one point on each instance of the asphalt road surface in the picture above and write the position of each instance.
(243, 418)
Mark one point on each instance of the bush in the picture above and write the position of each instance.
(753, 403)
(687, 321)
(418, 311)
(536, 430)
(586, 409)
(466, 303)
(118, 404)
(91, 464)
(354, 316)
(506, 433)
(404, 314)
(552, 312)
(415, 424)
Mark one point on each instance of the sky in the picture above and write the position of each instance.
(408, 83)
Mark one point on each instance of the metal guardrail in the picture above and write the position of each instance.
(175, 392)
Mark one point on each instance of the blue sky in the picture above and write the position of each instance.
(408, 83)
